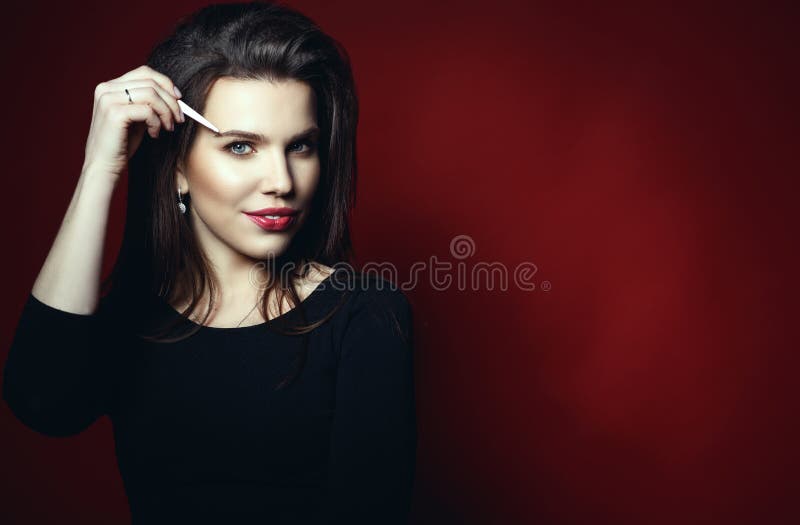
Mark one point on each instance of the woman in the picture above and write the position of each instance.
(248, 374)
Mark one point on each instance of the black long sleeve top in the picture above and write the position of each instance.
(200, 434)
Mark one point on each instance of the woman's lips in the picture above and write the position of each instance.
(282, 223)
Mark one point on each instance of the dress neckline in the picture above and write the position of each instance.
(315, 293)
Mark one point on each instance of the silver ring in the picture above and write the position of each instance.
(130, 100)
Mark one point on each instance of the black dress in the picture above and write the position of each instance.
(200, 433)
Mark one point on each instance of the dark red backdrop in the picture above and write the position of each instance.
(643, 158)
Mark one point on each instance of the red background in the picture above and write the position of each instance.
(644, 158)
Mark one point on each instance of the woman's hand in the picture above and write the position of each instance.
(118, 125)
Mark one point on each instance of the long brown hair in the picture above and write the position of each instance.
(159, 255)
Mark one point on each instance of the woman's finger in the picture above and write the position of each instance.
(117, 107)
(168, 98)
(145, 71)
(148, 95)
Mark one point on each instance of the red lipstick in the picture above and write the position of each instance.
(273, 219)
(273, 211)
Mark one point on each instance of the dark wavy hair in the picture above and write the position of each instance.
(159, 256)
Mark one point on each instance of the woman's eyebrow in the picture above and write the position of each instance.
(258, 137)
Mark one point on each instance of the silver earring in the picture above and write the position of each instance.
(181, 205)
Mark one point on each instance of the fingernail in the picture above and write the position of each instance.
(177, 92)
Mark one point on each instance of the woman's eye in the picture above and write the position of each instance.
(238, 148)
(309, 146)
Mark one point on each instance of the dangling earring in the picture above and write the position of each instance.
(181, 205)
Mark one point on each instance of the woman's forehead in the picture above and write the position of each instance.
(277, 106)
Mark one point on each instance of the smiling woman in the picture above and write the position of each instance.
(226, 179)
(250, 374)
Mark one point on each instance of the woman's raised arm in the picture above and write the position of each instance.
(60, 370)
(142, 99)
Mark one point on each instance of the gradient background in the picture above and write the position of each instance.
(643, 157)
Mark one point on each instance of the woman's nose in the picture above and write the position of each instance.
(276, 176)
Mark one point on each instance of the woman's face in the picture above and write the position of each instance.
(277, 165)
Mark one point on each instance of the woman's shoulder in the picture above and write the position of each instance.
(378, 298)
(366, 286)
(317, 275)
(379, 311)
